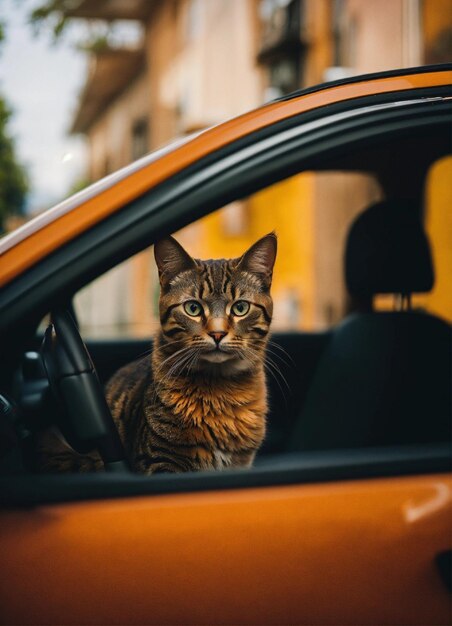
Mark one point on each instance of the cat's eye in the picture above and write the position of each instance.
(240, 308)
(193, 308)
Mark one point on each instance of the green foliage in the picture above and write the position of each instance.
(96, 45)
(51, 13)
(13, 179)
(51, 16)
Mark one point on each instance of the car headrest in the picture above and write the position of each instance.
(387, 251)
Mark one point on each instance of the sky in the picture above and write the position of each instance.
(41, 82)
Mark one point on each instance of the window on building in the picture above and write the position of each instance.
(281, 46)
(344, 29)
(140, 138)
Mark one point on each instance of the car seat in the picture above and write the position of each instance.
(384, 378)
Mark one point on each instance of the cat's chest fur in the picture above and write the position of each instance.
(210, 424)
(229, 402)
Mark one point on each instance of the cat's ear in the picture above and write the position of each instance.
(260, 258)
(171, 259)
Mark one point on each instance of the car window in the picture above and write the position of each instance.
(310, 212)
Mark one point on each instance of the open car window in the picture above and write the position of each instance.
(310, 212)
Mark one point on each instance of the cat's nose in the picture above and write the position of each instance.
(217, 336)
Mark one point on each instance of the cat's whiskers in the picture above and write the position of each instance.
(250, 355)
(273, 344)
(144, 354)
(271, 362)
(159, 386)
(194, 360)
(186, 356)
(169, 344)
(171, 356)
(177, 367)
(154, 348)
(281, 359)
(273, 370)
(270, 371)
(269, 346)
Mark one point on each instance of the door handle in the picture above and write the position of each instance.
(444, 565)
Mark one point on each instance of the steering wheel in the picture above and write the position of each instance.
(84, 419)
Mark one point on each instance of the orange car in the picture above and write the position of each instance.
(346, 516)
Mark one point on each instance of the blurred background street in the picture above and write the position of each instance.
(104, 82)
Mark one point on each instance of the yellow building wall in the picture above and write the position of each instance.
(438, 224)
(288, 209)
(437, 30)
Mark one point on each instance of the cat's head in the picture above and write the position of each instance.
(215, 315)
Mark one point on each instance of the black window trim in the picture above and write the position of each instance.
(361, 78)
(299, 468)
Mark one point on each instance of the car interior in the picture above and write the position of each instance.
(376, 379)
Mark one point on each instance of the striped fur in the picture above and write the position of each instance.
(199, 402)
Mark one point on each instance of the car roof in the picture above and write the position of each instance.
(48, 231)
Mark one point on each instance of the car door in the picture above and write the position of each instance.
(327, 549)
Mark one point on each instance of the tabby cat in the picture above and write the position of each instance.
(199, 402)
